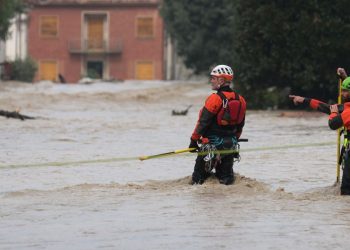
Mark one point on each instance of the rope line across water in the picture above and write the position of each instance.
(117, 159)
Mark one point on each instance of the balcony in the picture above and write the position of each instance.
(95, 47)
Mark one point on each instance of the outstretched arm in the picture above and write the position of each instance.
(313, 103)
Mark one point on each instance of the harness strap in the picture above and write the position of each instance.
(223, 97)
(342, 151)
(345, 146)
(225, 102)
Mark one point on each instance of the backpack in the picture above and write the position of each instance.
(232, 111)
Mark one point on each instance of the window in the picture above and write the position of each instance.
(95, 31)
(144, 70)
(48, 70)
(49, 26)
(144, 27)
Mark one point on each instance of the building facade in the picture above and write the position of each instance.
(105, 39)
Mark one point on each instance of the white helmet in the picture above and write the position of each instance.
(223, 71)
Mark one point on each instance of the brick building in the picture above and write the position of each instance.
(107, 39)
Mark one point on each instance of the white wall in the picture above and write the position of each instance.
(16, 44)
(2, 51)
(174, 65)
(2, 56)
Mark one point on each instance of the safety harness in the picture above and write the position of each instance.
(345, 147)
(213, 156)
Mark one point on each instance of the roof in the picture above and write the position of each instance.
(77, 3)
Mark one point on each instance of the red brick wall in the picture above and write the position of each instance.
(122, 26)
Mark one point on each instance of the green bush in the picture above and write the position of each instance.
(24, 70)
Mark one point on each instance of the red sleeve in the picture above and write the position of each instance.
(210, 109)
(337, 120)
(213, 103)
(332, 115)
(314, 104)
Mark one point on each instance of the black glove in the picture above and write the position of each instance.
(193, 144)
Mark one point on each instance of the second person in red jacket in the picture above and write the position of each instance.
(339, 116)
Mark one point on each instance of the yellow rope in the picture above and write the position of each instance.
(338, 136)
(117, 159)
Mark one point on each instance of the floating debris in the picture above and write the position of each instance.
(182, 112)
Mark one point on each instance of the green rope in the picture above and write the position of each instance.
(117, 159)
(320, 144)
(61, 164)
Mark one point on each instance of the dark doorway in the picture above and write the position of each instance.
(95, 69)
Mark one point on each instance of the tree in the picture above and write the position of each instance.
(290, 44)
(274, 46)
(202, 30)
(8, 9)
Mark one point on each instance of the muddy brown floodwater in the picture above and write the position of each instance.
(70, 180)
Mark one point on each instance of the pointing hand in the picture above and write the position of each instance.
(297, 99)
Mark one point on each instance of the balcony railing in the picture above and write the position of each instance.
(79, 46)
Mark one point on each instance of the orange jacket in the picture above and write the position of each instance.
(338, 120)
(207, 123)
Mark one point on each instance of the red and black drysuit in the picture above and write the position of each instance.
(338, 120)
(223, 136)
